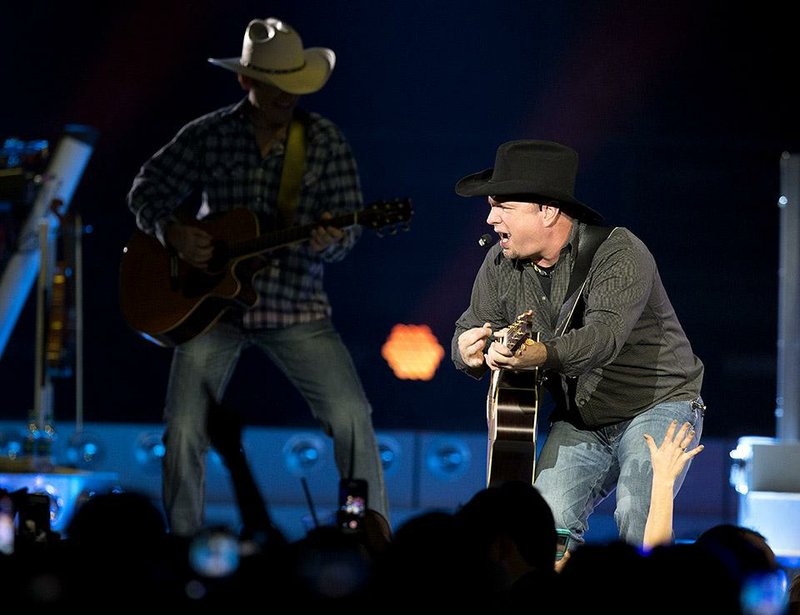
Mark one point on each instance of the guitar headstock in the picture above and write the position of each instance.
(520, 330)
(386, 215)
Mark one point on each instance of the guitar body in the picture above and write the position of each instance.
(169, 302)
(512, 411)
(512, 406)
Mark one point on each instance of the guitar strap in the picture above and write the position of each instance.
(572, 309)
(588, 242)
(293, 165)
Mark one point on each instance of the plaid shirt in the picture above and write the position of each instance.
(631, 352)
(217, 156)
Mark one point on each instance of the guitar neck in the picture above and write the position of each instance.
(286, 237)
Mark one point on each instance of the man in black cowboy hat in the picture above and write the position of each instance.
(293, 169)
(615, 359)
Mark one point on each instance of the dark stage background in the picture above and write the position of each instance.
(679, 111)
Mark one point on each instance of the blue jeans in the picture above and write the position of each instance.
(314, 359)
(578, 468)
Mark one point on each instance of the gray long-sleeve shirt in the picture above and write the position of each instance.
(629, 353)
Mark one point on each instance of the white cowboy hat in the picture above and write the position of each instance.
(273, 52)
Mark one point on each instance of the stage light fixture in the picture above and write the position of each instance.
(149, 451)
(83, 450)
(412, 352)
(448, 458)
(303, 453)
(737, 477)
(12, 444)
(389, 450)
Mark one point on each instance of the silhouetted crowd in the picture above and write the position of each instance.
(495, 551)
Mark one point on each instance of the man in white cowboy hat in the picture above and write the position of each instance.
(292, 168)
(616, 362)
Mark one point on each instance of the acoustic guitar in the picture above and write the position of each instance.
(168, 302)
(512, 406)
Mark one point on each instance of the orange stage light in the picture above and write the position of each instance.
(412, 352)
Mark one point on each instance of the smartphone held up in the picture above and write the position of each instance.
(352, 504)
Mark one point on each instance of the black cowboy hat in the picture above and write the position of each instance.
(539, 171)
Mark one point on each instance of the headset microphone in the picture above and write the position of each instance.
(486, 241)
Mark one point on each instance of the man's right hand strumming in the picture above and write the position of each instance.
(192, 244)
(472, 343)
